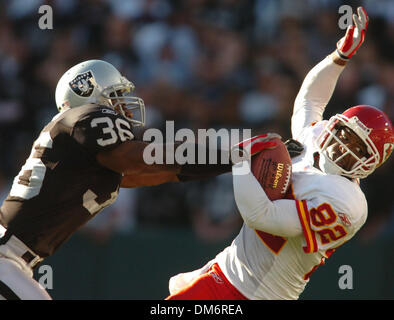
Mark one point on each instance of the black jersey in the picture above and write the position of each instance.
(62, 186)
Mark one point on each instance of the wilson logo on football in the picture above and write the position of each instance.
(82, 84)
(278, 175)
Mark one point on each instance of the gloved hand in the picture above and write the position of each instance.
(355, 34)
(294, 148)
(249, 147)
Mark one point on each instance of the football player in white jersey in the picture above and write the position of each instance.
(282, 242)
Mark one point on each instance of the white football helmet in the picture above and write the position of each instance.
(99, 82)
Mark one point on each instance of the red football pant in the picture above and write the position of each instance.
(212, 285)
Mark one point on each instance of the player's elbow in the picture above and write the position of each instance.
(256, 219)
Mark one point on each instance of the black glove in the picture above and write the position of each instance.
(294, 147)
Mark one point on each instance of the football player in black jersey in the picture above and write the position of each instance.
(75, 169)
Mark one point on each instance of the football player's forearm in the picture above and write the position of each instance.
(319, 84)
(337, 59)
(258, 211)
(203, 165)
(315, 93)
(130, 158)
(145, 180)
(193, 161)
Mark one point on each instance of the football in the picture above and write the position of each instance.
(272, 168)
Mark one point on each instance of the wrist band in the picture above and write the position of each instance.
(342, 56)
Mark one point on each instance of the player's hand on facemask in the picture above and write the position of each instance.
(355, 34)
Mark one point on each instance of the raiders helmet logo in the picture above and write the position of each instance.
(83, 84)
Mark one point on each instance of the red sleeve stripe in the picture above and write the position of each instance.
(303, 215)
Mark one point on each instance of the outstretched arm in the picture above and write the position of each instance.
(320, 82)
(128, 159)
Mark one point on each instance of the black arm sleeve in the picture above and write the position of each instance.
(294, 147)
(207, 163)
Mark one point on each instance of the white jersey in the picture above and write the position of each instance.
(330, 210)
(264, 266)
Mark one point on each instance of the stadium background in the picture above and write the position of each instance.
(203, 64)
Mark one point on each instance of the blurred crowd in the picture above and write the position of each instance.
(203, 64)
